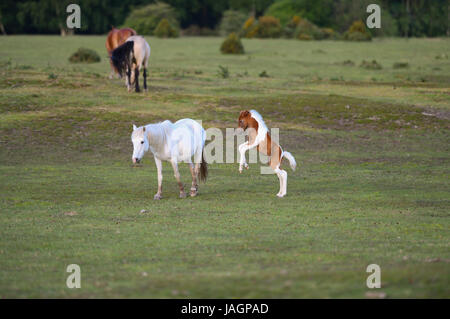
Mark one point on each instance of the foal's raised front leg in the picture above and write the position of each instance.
(158, 163)
(177, 176)
(242, 149)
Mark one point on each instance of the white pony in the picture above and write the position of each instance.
(130, 58)
(173, 142)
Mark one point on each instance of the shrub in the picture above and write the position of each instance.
(223, 72)
(145, 19)
(232, 45)
(250, 28)
(165, 30)
(268, 27)
(83, 55)
(307, 30)
(357, 32)
(304, 36)
(289, 29)
(231, 22)
(371, 65)
(329, 33)
(283, 10)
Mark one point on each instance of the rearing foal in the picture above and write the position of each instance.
(258, 136)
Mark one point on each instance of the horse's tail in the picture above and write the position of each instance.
(120, 56)
(203, 167)
(290, 158)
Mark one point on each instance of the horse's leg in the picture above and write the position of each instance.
(178, 178)
(158, 163)
(145, 79)
(128, 79)
(194, 173)
(282, 176)
(136, 79)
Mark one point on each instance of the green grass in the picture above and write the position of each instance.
(372, 184)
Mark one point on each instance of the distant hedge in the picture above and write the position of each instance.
(145, 19)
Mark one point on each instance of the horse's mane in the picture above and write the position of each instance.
(259, 119)
(120, 56)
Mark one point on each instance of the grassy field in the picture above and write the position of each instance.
(372, 184)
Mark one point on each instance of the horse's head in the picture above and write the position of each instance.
(244, 119)
(140, 143)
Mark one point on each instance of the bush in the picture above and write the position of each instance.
(232, 45)
(319, 12)
(231, 22)
(307, 30)
(250, 28)
(283, 10)
(357, 32)
(289, 29)
(329, 33)
(165, 30)
(145, 19)
(223, 72)
(268, 27)
(83, 55)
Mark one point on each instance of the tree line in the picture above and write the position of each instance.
(408, 18)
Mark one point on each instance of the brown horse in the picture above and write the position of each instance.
(259, 137)
(115, 38)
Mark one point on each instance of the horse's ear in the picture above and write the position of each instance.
(143, 129)
(134, 127)
(244, 113)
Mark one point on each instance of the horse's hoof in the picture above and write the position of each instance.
(157, 197)
(183, 195)
(280, 195)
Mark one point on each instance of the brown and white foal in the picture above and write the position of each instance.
(258, 136)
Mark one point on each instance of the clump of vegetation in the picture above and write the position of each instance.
(232, 45)
(401, 65)
(441, 56)
(83, 55)
(371, 65)
(250, 28)
(289, 28)
(357, 32)
(264, 74)
(223, 72)
(165, 30)
(268, 27)
(348, 63)
(307, 30)
(284, 10)
(232, 21)
(329, 33)
(145, 20)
